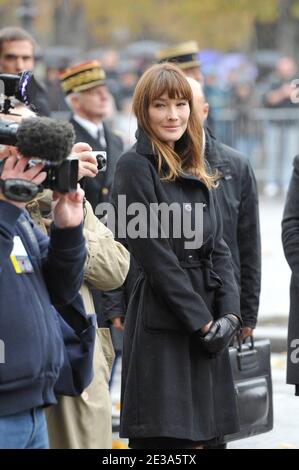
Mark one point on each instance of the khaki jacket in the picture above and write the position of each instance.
(107, 261)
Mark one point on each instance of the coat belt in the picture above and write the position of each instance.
(211, 278)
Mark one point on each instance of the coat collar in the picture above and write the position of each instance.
(145, 147)
(90, 138)
(90, 127)
(212, 151)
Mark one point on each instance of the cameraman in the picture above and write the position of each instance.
(84, 421)
(17, 49)
(35, 274)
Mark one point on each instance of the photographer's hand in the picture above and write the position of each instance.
(87, 162)
(68, 209)
(15, 167)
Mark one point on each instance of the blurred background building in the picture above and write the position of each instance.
(241, 44)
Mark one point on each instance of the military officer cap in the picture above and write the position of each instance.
(185, 55)
(82, 77)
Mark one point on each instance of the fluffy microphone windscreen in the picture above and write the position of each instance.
(45, 138)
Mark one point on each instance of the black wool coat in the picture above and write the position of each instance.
(98, 189)
(170, 386)
(238, 200)
(290, 241)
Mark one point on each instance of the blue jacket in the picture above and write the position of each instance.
(34, 351)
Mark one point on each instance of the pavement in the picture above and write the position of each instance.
(272, 324)
(285, 433)
(274, 300)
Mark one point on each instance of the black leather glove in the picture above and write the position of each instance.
(220, 334)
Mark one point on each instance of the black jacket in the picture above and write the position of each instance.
(97, 189)
(238, 200)
(28, 321)
(170, 386)
(290, 241)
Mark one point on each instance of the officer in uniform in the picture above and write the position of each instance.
(186, 56)
(87, 96)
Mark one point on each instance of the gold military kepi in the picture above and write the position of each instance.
(82, 77)
(185, 55)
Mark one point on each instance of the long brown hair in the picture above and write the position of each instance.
(169, 79)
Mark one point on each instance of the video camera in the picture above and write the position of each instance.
(38, 137)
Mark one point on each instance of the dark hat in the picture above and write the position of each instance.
(82, 77)
(185, 55)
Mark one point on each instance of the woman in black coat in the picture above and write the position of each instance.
(177, 387)
(290, 241)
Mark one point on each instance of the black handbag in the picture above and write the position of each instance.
(251, 368)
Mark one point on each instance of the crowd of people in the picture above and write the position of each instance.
(238, 88)
(178, 305)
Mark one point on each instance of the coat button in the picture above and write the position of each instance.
(188, 207)
(105, 191)
(190, 258)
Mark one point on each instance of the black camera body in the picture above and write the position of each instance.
(46, 139)
(61, 177)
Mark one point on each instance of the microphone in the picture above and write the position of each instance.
(39, 137)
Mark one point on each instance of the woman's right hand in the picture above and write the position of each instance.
(220, 334)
